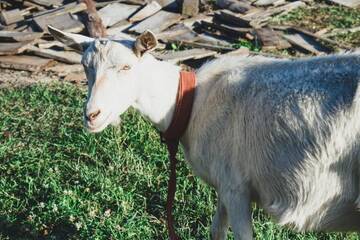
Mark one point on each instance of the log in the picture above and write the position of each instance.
(68, 8)
(11, 16)
(261, 3)
(306, 43)
(208, 46)
(14, 36)
(55, 18)
(167, 3)
(116, 12)
(147, 11)
(179, 56)
(62, 69)
(271, 39)
(232, 19)
(62, 56)
(27, 63)
(48, 3)
(190, 7)
(157, 23)
(243, 51)
(259, 18)
(65, 22)
(94, 23)
(347, 3)
(179, 32)
(14, 48)
(233, 32)
(321, 38)
(234, 6)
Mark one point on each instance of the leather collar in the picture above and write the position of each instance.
(183, 107)
(171, 137)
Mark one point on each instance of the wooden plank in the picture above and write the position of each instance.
(118, 28)
(14, 48)
(48, 3)
(179, 56)
(147, 11)
(259, 18)
(203, 38)
(190, 7)
(234, 6)
(234, 32)
(122, 36)
(179, 32)
(157, 23)
(62, 69)
(93, 21)
(243, 51)
(261, 3)
(338, 31)
(64, 22)
(54, 17)
(11, 16)
(49, 44)
(231, 19)
(65, 9)
(347, 3)
(31, 4)
(79, 77)
(322, 38)
(27, 63)
(116, 12)
(208, 46)
(166, 3)
(313, 35)
(306, 43)
(190, 22)
(14, 36)
(271, 39)
(62, 56)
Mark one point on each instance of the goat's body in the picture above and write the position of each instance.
(284, 134)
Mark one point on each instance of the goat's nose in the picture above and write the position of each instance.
(93, 115)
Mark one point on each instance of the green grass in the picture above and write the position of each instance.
(327, 17)
(59, 182)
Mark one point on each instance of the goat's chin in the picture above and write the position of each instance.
(96, 129)
(116, 122)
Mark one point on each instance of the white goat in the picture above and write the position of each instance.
(282, 133)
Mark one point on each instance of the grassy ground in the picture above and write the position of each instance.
(59, 182)
(329, 17)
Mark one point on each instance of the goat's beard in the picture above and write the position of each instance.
(116, 122)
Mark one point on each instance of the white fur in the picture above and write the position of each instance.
(281, 133)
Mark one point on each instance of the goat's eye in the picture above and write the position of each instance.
(125, 67)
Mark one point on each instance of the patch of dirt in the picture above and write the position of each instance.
(15, 78)
(10, 78)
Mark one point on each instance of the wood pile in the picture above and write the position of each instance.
(186, 29)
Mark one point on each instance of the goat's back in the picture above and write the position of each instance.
(289, 128)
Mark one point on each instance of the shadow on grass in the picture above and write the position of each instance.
(21, 231)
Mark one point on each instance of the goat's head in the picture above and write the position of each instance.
(110, 68)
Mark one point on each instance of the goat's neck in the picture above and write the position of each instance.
(157, 84)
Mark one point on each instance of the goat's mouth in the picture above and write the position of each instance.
(98, 126)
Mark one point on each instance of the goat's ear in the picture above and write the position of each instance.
(76, 41)
(146, 42)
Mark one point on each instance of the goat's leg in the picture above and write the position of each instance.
(220, 223)
(358, 199)
(238, 206)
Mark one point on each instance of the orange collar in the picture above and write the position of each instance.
(183, 107)
(171, 137)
